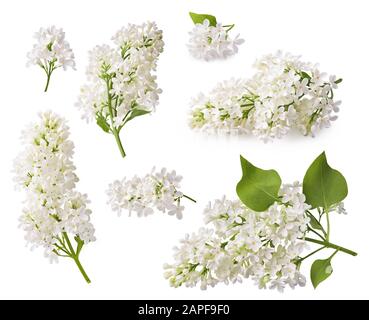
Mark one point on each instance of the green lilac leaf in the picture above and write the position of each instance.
(322, 185)
(315, 224)
(320, 271)
(102, 123)
(136, 113)
(199, 18)
(258, 189)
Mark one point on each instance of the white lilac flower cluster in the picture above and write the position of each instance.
(121, 85)
(158, 189)
(284, 93)
(53, 208)
(51, 51)
(209, 42)
(263, 246)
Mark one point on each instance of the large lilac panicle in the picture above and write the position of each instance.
(284, 93)
(241, 243)
(53, 210)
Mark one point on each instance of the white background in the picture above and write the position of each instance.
(126, 260)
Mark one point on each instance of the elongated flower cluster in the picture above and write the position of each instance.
(263, 246)
(209, 42)
(51, 51)
(121, 85)
(53, 208)
(284, 93)
(158, 189)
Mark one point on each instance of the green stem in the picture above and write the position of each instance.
(124, 121)
(74, 256)
(189, 198)
(310, 254)
(83, 272)
(119, 143)
(113, 129)
(49, 68)
(328, 225)
(319, 235)
(229, 27)
(327, 244)
(312, 217)
(333, 254)
(48, 81)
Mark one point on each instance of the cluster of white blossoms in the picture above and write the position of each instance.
(120, 79)
(53, 209)
(263, 246)
(158, 189)
(284, 93)
(51, 51)
(209, 42)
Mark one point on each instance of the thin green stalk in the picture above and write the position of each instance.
(327, 244)
(48, 81)
(189, 198)
(312, 217)
(319, 235)
(333, 254)
(310, 254)
(124, 121)
(113, 129)
(229, 27)
(48, 70)
(328, 225)
(74, 256)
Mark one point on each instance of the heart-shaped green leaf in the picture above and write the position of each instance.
(258, 189)
(199, 18)
(323, 186)
(320, 270)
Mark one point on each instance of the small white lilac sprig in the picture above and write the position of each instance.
(263, 234)
(284, 93)
(121, 84)
(211, 40)
(157, 190)
(51, 51)
(54, 212)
